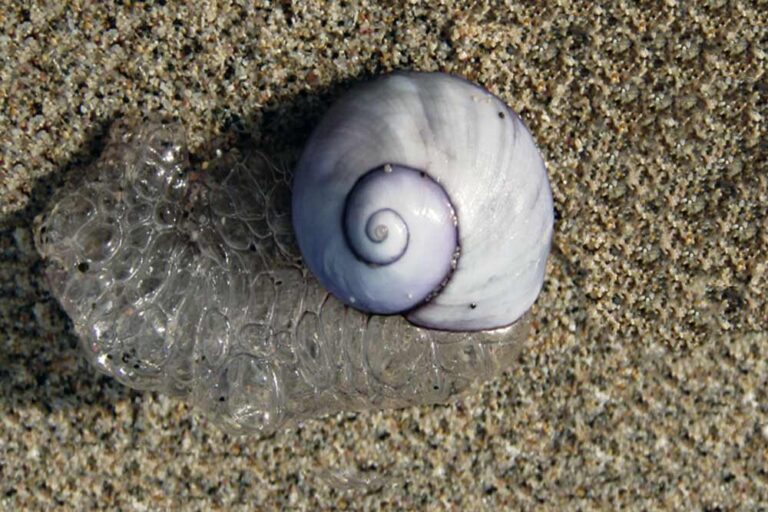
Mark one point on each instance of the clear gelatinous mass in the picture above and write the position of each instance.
(190, 282)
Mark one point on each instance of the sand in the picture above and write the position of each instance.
(644, 384)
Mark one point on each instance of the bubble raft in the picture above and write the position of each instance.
(189, 282)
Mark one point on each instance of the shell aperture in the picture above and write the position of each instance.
(477, 151)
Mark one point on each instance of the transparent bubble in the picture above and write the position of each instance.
(257, 340)
(70, 214)
(99, 241)
(126, 264)
(252, 393)
(213, 337)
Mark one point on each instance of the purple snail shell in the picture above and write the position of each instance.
(425, 195)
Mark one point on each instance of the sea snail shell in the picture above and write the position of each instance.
(423, 194)
(420, 196)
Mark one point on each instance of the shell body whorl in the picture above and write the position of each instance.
(466, 238)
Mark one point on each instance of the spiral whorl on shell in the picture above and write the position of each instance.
(451, 207)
